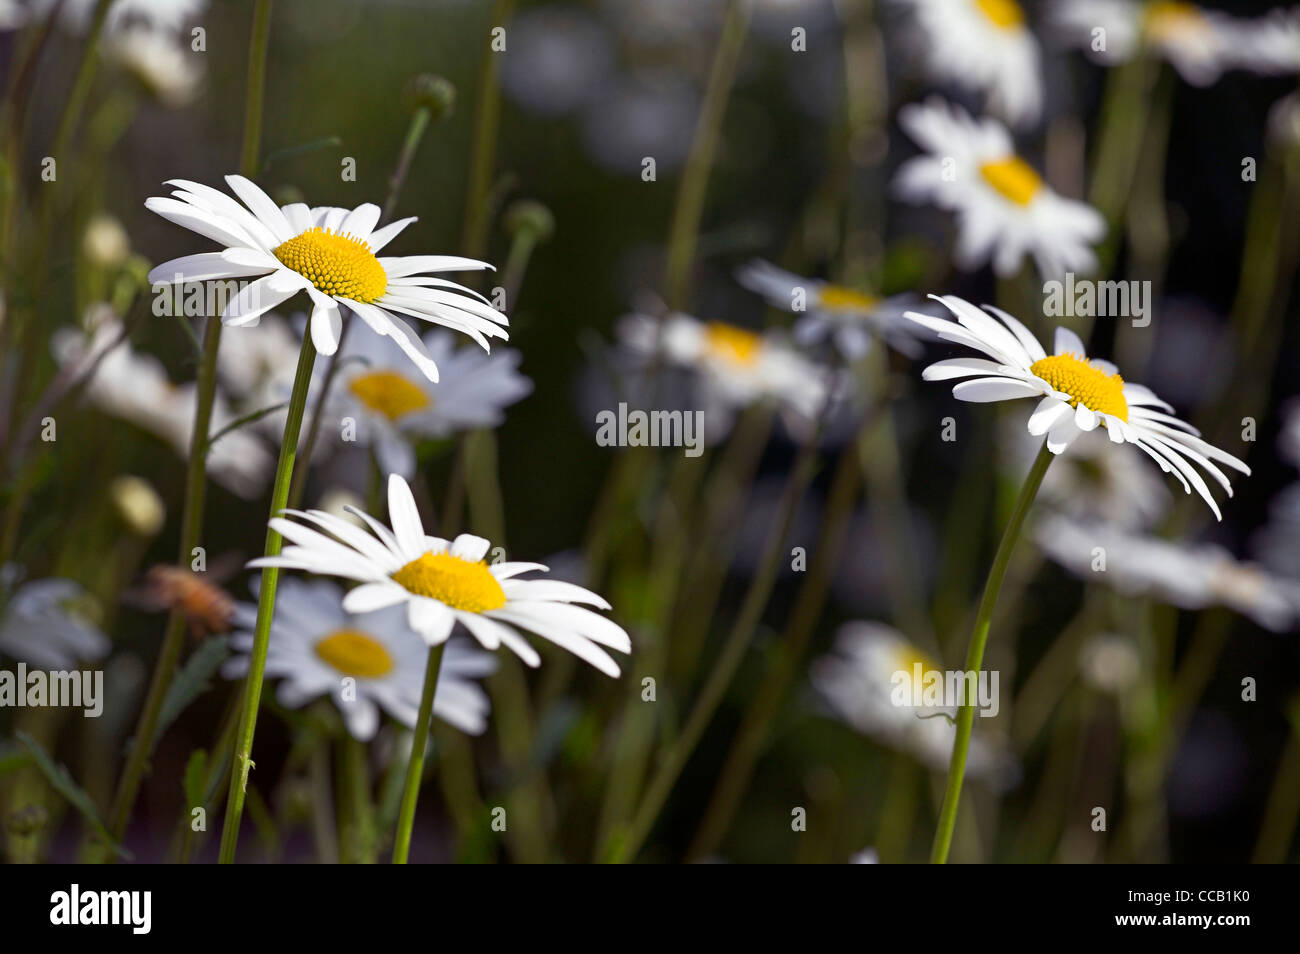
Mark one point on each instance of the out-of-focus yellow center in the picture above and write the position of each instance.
(906, 656)
(1002, 13)
(1012, 178)
(355, 653)
(460, 584)
(338, 265)
(1170, 19)
(731, 344)
(839, 298)
(389, 393)
(1085, 383)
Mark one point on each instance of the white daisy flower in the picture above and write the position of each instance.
(135, 387)
(392, 406)
(1074, 394)
(986, 46)
(442, 583)
(40, 624)
(328, 252)
(733, 366)
(846, 316)
(857, 681)
(316, 647)
(1200, 44)
(1004, 209)
(162, 62)
(1190, 576)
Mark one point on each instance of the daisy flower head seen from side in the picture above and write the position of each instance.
(441, 583)
(1075, 394)
(986, 46)
(331, 254)
(393, 406)
(733, 367)
(365, 662)
(1201, 44)
(1003, 208)
(847, 317)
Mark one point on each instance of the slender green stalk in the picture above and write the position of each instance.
(1279, 824)
(625, 848)
(415, 768)
(689, 209)
(975, 653)
(265, 606)
(196, 475)
(748, 745)
(487, 120)
(414, 134)
(358, 835)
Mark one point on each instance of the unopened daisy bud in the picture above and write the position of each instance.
(105, 242)
(437, 94)
(1110, 663)
(138, 504)
(528, 215)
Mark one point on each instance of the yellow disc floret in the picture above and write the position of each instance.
(731, 344)
(1171, 19)
(1002, 13)
(1086, 383)
(461, 584)
(389, 393)
(839, 298)
(1013, 179)
(338, 265)
(355, 653)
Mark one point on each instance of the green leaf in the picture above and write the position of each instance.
(246, 419)
(289, 151)
(62, 782)
(190, 683)
(196, 778)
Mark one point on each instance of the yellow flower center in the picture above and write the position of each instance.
(906, 656)
(1012, 178)
(389, 393)
(839, 298)
(1002, 13)
(355, 653)
(731, 344)
(1170, 19)
(448, 579)
(338, 265)
(1085, 383)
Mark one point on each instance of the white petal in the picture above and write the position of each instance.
(405, 518)
(1067, 342)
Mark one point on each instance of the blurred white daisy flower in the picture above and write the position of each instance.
(1004, 209)
(857, 681)
(135, 387)
(392, 406)
(365, 661)
(1201, 44)
(849, 318)
(328, 252)
(77, 15)
(1190, 576)
(560, 57)
(1074, 394)
(162, 62)
(40, 623)
(986, 46)
(732, 366)
(441, 583)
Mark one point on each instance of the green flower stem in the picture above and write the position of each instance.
(975, 653)
(689, 208)
(487, 121)
(1280, 813)
(196, 476)
(414, 135)
(738, 769)
(358, 835)
(265, 606)
(415, 768)
(625, 847)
